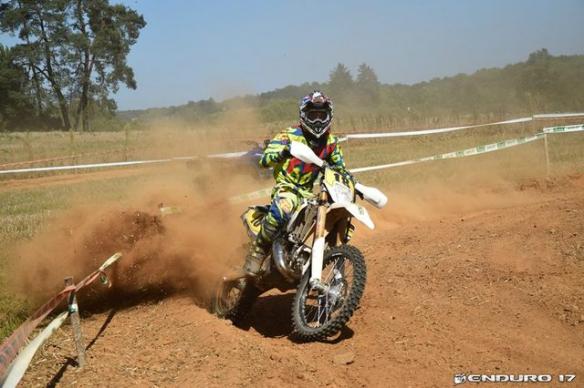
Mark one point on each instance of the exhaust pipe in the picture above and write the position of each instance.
(278, 255)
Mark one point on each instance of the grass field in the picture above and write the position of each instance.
(26, 210)
(22, 149)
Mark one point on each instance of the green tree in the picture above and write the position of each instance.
(538, 80)
(14, 101)
(340, 81)
(367, 83)
(75, 49)
(102, 35)
(42, 28)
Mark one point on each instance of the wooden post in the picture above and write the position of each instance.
(72, 148)
(547, 155)
(126, 140)
(76, 324)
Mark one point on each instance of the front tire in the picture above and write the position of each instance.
(317, 315)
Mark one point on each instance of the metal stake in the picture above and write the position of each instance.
(547, 155)
(76, 324)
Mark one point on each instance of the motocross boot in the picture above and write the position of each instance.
(255, 258)
(259, 249)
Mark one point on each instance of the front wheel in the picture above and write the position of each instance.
(318, 314)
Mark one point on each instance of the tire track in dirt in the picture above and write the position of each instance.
(495, 291)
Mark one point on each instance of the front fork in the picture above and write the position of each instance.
(318, 243)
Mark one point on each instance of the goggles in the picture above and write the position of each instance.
(314, 115)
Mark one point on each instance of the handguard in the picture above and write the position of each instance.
(372, 195)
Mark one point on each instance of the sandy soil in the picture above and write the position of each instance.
(496, 288)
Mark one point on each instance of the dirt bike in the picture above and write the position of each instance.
(310, 254)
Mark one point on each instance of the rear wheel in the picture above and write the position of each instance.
(318, 314)
(234, 299)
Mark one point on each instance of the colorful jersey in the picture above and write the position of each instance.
(293, 173)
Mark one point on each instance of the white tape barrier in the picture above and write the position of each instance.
(457, 154)
(452, 129)
(120, 164)
(564, 129)
(228, 155)
(556, 115)
(20, 364)
(87, 166)
(430, 131)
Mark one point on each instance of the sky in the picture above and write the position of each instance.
(193, 49)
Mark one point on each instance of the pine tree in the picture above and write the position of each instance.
(74, 49)
(340, 82)
(367, 84)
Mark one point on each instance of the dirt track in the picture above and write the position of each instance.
(498, 289)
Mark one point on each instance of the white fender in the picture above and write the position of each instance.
(359, 212)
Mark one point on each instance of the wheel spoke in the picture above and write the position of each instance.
(321, 314)
(312, 314)
(319, 308)
(322, 308)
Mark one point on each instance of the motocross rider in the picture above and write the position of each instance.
(294, 178)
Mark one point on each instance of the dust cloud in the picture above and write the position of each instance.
(184, 252)
(236, 129)
(463, 188)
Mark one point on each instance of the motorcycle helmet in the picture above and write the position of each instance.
(316, 114)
